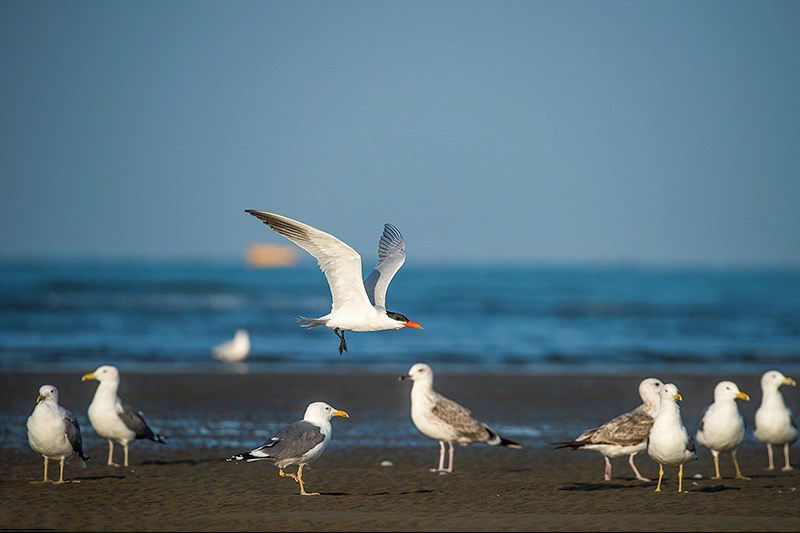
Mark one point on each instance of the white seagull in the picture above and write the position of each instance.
(722, 427)
(358, 305)
(53, 431)
(234, 351)
(669, 443)
(775, 423)
(444, 420)
(112, 418)
(298, 444)
(626, 434)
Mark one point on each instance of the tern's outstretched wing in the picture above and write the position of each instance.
(340, 263)
(391, 256)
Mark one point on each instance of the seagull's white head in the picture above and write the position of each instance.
(48, 393)
(774, 379)
(103, 374)
(402, 321)
(320, 413)
(650, 392)
(669, 393)
(729, 391)
(419, 372)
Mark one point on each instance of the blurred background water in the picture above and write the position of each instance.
(168, 315)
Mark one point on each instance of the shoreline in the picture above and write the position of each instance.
(189, 485)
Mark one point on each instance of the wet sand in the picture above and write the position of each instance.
(176, 487)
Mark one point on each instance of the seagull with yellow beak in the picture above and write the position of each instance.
(774, 421)
(53, 432)
(722, 426)
(114, 419)
(298, 444)
(669, 443)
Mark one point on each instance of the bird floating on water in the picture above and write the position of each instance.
(54, 432)
(358, 305)
(298, 444)
(775, 423)
(626, 434)
(722, 427)
(444, 420)
(234, 351)
(114, 419)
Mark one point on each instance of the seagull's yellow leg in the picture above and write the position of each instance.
(739, 474)
(716, 466)
(45, 480)
(284, 474)
(660, 476)
(61, 475)
(680, 479)
(125, 447)
(300, 481)
(111, 453)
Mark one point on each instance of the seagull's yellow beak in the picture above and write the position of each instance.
(88, 377)
(743, 396)
(678, 397)
(40, 398)
(789, 381)
(343, 414)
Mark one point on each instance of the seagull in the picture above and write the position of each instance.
(444, 420)
(357, 305)
(235, 350)
(626, 434)
(54, 432)
(114, 419)
(298, 444)
(775, 423)
(722, 425)
(669, 443)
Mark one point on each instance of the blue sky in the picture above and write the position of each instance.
(486, 131)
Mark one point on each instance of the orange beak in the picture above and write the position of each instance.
(411, 324)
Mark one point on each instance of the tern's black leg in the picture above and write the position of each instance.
(343, 343)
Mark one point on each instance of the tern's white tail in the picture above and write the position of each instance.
(311, 322)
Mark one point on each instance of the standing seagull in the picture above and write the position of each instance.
(298, 444)
(114, 419)
(235, 350)
(626, 434)
(669, 443)
(54, 432)
(774, 421)
(444, 420)
(722, 425)
(357, 305)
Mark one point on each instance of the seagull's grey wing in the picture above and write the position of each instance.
(702, 423)
(73, 432)
(391, 256)
(629, 429)
(292, 442)
(135, 421)
(340, 263)
(460, 419)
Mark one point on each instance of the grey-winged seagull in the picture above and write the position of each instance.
(669, 443)
(54, 432)
(722, 426)
(444, 420)
(297, 444)
(624, 435)
(775, 424)
(114, 419)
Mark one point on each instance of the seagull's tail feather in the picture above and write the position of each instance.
(158, 438)
(497, 440)
(247, 456)
(311, 322)
(573, 445)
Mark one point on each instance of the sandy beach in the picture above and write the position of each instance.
(187, 486)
